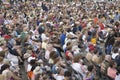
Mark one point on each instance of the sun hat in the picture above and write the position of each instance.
(27, 55)
(37, 70)
(40, 61)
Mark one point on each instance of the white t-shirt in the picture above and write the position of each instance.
(47, 53)
(78, 68)
(29, 68)
(114, 55)
(44, 37)
(12, 58)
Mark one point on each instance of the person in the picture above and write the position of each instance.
(115, 53)
(67, 75)
(73, 25)
(90, 73)
(68, 54)
(96, 58)
(49, 49)
(7, 73)
(60, 75)
(109, 42)
(105, 64)
(77, 66)
(117, 58)
(111, 71)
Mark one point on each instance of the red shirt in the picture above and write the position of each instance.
(101, 26)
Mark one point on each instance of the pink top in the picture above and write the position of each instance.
(111, 72)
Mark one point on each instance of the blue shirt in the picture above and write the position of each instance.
(62, 39)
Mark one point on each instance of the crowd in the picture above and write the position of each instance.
(60, 40)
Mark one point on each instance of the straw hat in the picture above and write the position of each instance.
(37, 70)
(40, 61)
(27, 55)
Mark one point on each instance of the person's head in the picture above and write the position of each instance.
(52, 54)
(32, 62)
(60, 71)
(77, 58)
(55, 56)
(67, 75)
(113, 64)
(68, 43)
(95, 51)
(115, 50)
(90, 68)
(69, 47)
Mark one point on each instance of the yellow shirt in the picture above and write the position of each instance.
(93, 40)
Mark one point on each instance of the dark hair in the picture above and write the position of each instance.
(32, 62)
(77, 58)
(68, 43)
(52, 54)
(33, 67)
(115, 50)
(112, 63)
(89, 33)
(67, 74)
(95, 51)
(3, 67)
(90, 68)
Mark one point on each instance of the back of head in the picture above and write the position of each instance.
(67, 74)
(116, 50)
(90, 68)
